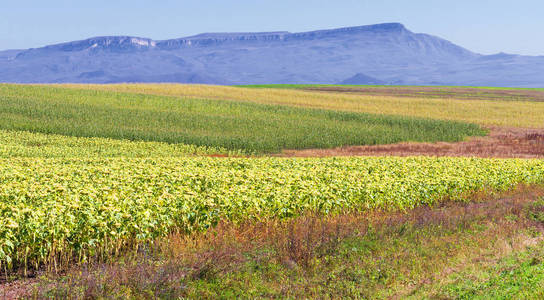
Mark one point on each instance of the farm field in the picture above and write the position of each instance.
(466, 93)
(488, 247)
(40, 145)
(256, 128)
(178, 191)
(523, 114)
(44, 202)
(515, 126)
(500, 142)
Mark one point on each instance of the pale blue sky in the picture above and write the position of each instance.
(484, 26)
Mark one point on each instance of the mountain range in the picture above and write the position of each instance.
(373, 54)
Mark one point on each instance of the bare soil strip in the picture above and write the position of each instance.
(500, 143)
(464, 93)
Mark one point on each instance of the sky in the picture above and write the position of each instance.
(483, 26)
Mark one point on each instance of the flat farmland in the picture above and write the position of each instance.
(253, 127)
(523, 114)
(437, 92)
(168, 191)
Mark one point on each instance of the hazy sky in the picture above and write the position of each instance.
(484, 26)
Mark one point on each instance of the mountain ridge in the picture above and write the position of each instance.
(387, 52)
(144, 42)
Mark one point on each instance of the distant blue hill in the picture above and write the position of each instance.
(360, 79)
(375, 54)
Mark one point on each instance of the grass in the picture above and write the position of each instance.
(484, 112)
(424, 253)
(250, 127)
(518, 276)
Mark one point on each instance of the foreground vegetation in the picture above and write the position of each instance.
(235, 126)
(485, 112)
(517, 276)
(30, 144)
(121, 183)
(55, 210)
(487, 249)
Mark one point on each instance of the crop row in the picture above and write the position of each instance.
(485, 112)
(54, 208)
(32, 144)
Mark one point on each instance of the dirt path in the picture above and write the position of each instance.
(500, 143)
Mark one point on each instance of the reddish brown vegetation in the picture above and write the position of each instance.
(501, 143)
(217, 155)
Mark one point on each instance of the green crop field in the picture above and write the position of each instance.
(94, 173)
(231, 125)
(55, 206)
(525, 114)
(31, 144)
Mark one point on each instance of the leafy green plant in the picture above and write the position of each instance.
(57, 209)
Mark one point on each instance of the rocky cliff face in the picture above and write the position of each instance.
(388, 53)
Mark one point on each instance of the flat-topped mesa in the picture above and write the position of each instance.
(371, 54)
(130, 43)
(209, 39)
(236, 35)
(105, 42)
(384, 28)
